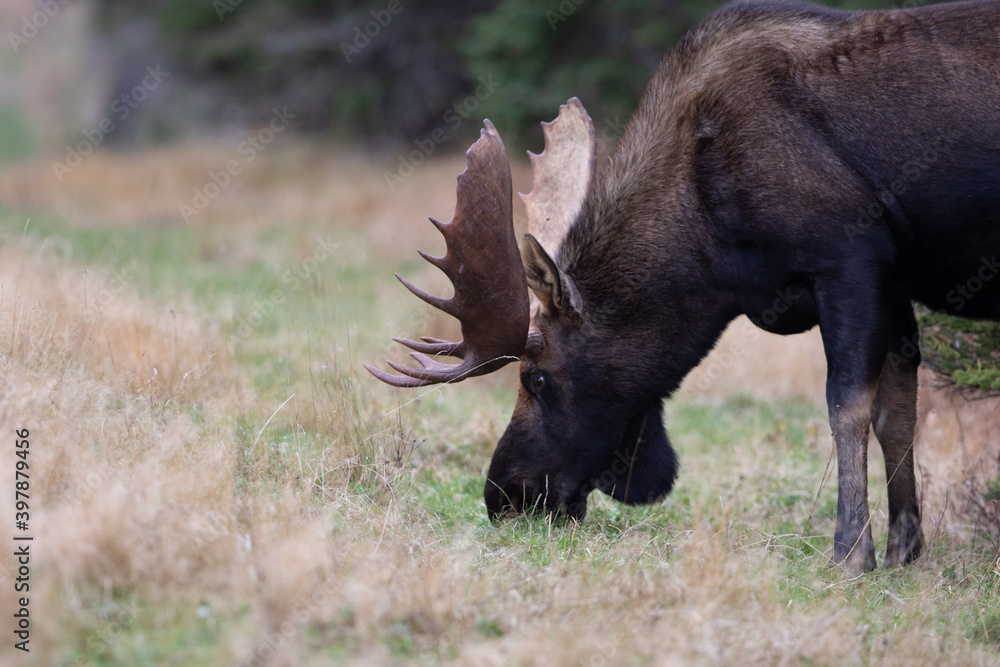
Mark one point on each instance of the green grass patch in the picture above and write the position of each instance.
(967, 351)
(17, 141)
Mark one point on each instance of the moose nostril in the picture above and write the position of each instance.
(533, 498)
(499, 501)
(517, 497)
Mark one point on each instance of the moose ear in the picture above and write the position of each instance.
(553, 288)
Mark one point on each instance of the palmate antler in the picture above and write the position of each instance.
(484, 265)
(562, 175)
(483, 262)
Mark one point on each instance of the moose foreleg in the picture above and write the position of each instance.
(850, 417)
(854, 338)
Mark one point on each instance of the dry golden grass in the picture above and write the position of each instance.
(181, 516)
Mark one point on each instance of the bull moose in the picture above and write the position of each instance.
(849, 161)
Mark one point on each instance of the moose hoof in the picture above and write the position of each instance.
(859, 563)
(905, 543)
(855, 561)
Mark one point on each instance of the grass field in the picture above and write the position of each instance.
(214, 479)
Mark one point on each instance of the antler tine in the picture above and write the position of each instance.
(562, 175)
(435, 346)
(431, 372)
(439, 262)
(484, 265)
(438, 302)
(441, 226)
(397, 380)
(434, 371)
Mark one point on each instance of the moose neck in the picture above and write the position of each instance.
(640, 258)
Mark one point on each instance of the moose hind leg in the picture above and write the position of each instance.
(894, 421)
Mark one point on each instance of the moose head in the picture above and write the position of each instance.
(587, 416)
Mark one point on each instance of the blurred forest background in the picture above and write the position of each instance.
(372, 72)
(393, 80)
